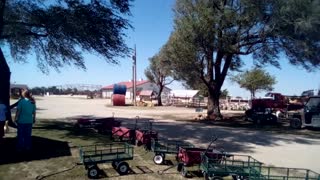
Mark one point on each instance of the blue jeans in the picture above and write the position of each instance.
(24, 136)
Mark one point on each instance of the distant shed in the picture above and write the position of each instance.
(183, 97)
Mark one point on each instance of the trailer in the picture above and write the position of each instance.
(243, 167)
(161, 147)
(102, 125)
(189, 159)
(123, 134)
(115, 153)
(240, 167)
(280, 173)
(144, 133)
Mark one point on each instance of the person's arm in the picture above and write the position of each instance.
(15, 104)
(34, 115)
(19, 106)
(17, 116)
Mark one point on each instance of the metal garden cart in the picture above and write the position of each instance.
(115, 153)
(236, 166)
(102, 125)
(283, 173)
(189, 159)
(242, 167)
(161, 147)
(144, 133)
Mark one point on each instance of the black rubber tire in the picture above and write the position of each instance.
(295, 123)
(179, 167)
(93, 172)
(184, 171)
(158, 159)
(123, 168)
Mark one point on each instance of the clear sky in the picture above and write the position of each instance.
(152, 21)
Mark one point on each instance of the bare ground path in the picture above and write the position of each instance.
(272, 146)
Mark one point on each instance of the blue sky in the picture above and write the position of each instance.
(152, 22)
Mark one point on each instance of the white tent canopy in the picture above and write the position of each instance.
(184, 93)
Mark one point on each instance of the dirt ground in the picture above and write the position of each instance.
(273, 145)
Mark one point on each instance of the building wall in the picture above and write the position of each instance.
(146, 86)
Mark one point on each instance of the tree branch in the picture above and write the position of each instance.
(218, 64)
(24, 24)
(36, 35)
(168, 82)
(2, 7)
(224, 72)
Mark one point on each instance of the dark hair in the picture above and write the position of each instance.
(27, 94)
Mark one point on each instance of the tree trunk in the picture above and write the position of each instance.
(5, 84)
(213, 111)
(159, 96)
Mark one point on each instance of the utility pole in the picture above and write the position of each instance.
(134, 71)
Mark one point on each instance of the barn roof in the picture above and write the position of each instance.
(146, 93)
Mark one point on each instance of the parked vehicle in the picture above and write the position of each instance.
(271, 107)
(309, 116)
(115, 153)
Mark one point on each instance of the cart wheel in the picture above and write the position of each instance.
(93, 172)
(158, 159)
(184, 171)
(205, 176)
(115, 164)
(123, 168)
(295, 123)
(179, 167)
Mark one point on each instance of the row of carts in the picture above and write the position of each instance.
(211, 162)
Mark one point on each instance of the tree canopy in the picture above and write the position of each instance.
(210, 36)
(57, 32)
(159, 72)
(255, 80)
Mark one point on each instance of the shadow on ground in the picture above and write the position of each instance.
(42, 148)
(234, 134)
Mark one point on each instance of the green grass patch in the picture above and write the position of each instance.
(55, 154)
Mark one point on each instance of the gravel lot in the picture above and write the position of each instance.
(295, 149)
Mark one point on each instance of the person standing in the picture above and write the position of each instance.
(25, 117)
(3, 111)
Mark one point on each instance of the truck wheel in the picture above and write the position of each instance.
(295, 123)
(123, 168)
(158, 159)
(184, 171)
(93, 172)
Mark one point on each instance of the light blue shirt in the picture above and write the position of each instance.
(3, 111)
(26, 109)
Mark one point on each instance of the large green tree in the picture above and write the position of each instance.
(159, 72)
(58, 31)
(255, 80)
(210, 36)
